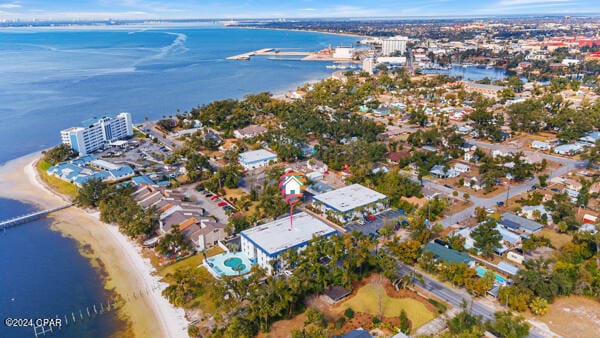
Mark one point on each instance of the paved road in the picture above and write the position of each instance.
(455, 297)
(452, 296)
(567, 165)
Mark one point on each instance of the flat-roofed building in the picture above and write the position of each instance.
(256, 159)
(348, 202)
(264, 243)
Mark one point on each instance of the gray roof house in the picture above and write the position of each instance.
(514, 222)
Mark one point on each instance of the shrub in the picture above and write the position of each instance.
(349, 313)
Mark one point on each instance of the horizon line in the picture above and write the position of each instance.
(374, 18)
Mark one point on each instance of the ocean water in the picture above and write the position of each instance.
(53, 79)
(43, 276)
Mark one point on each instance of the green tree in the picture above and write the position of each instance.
(173, 241)
(404, 322)
(508, 326)
(516, 298)
(486, 237)
(349, 313)
(539, 306)
(407, 251)
(465, 324)
(92, 192)
(197, 166)
(193, 331)
(59, 154)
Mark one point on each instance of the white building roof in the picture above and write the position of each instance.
(349, 198)
(276, 236)
(105, 165)
(256, 156)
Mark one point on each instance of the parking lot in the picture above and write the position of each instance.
(372, 227)
(143, 155)
(209, 205)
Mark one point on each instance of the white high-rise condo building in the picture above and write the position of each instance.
(96, 133)
(395, 44)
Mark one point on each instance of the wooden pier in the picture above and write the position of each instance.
(30, 217)
(269, 52)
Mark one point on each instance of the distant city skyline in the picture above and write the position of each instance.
(190, 9)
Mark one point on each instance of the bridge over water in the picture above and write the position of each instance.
(30, 217)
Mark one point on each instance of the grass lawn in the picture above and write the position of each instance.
(558, 240)
(238, 193)
(367, 300)
(62, 187)
(190, 262)
(204, 301)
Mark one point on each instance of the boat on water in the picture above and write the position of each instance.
(331, 67)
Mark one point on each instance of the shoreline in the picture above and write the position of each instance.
(301, 30)
(125, 271)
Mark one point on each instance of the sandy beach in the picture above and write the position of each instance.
(126, 271)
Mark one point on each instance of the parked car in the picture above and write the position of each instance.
(555, 190)
(222, 204)
(371, 217)
(214, 197)
(499, 203)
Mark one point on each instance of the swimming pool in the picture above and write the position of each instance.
(229, 264)
(481, 271)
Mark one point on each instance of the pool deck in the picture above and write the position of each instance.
(217, 268)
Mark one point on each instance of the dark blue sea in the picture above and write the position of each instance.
(52, 79)
(43, 275)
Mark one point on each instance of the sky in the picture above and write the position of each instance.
(234, 9)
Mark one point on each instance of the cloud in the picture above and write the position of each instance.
(9, 6)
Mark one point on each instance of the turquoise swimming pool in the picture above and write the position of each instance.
(481, 271)
(229, 264)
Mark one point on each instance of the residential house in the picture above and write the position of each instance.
(448, 255)
(534, 211)
(203, 234)
(396, 156)
(474, 183)
(517, 223)
(539, 145)
(462, 168)
(568, 149)
(318, 166)
(591, 137)
(438, 171)
(251, 131)
(572, 184)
